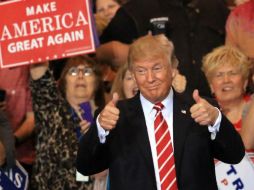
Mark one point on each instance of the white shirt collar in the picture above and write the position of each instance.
(148, 106)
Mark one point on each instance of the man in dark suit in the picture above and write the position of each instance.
(123, 139)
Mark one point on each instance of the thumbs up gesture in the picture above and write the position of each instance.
(110, 114)
(203, 112)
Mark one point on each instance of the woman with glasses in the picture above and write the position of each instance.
(63, 113)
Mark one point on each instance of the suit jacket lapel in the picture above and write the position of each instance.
(181, 122)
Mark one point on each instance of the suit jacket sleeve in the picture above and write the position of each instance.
(228, 146)
(92, 156)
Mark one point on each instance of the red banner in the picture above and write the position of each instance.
(32, 31)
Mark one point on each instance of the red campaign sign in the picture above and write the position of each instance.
(32, 31)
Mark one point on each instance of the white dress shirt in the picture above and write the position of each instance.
(150, 113)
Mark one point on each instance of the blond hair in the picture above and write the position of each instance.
(225, 55)
(117, 85)
(152, 47)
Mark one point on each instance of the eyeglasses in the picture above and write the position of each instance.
(86, 71)
(143, 71)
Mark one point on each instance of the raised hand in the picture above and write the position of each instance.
(203, 112)
(179, 82)
(110, 114)
(38, 70)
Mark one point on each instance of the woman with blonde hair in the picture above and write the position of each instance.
(227, 71)
(124, 83)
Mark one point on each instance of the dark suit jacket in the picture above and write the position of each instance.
(128, 156)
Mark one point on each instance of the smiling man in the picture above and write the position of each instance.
(158, 139)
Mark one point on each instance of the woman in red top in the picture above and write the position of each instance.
(227, 70)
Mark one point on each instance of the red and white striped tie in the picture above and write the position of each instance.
(165, 155)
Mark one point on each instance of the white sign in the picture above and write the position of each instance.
(235, 177)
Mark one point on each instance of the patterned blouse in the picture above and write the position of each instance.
(57, 142)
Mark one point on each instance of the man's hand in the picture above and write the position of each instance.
(203, 112)
(110, 114)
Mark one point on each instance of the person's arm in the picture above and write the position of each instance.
(227, 144)
(231, 30)
(114, 53)
(92, 155)
(45, 93)
(2, 154)
(247, 131)
(38, 70)
(26, 129)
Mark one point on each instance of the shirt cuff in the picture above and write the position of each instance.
(102, 133)
(214, 129)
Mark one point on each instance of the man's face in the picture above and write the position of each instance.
(154, 78)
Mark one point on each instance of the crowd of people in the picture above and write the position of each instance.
(87, 122)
